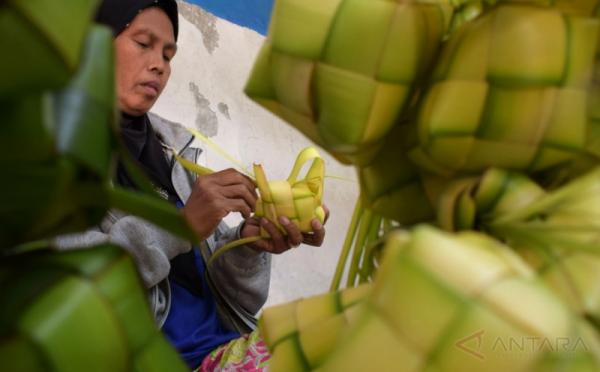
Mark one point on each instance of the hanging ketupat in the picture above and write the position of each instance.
(513, 82)
(343, 72)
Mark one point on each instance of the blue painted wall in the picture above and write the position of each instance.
(254, 14)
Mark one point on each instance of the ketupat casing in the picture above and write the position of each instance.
(79, 310)
(343, 72)
(51, 34)
(434, 290)
(298, 199)
(514, 83)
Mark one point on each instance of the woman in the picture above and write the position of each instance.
(200, 309)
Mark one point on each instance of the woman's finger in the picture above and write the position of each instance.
(326, 213)
(277, 241)
(239, 191)
(230, 176)
(273, 231)
(317, 237)
(237, 205)
(294, 235)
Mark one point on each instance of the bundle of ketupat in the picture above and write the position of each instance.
(513, 81)
(495, 139)
(450, 302)
(344, 71)
(496, 89)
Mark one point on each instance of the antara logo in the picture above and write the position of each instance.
(473, 344)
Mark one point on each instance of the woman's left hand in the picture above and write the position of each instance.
(279, 243)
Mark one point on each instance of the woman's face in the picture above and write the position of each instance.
(143, 54)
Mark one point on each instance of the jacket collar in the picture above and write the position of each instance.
(173, 134)
(178, 137)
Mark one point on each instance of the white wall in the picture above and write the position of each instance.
(206, 92)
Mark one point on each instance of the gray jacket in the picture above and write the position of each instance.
(239, 279)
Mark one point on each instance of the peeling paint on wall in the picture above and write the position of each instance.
(206, 119)
(224, 109)
(205, 22)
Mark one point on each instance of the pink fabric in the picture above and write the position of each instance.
(248, 353)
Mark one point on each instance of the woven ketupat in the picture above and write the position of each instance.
(300, 200)
(302, 334)
(36, 31)
(342, 71)
(462, 303)
(573, 275)
(510, 91)
(82, 310)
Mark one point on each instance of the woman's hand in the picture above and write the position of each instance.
(279, 243)
(216, 195)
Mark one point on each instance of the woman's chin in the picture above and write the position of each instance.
(140, 108)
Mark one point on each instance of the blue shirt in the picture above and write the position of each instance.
(193, 325)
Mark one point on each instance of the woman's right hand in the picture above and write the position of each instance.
(216, 195)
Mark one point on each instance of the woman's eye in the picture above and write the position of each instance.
(142, 44)
(167, 58)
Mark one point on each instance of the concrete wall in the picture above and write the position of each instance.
(206, 92)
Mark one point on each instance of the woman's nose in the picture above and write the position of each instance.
(157, 63)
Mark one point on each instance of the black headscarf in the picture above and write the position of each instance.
(117, 14)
